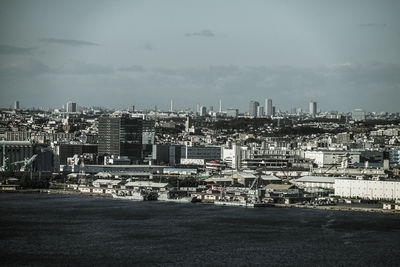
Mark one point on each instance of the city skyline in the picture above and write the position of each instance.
(116, 54)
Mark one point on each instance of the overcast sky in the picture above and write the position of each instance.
(342, 54)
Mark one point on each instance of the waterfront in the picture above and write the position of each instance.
(41, 229)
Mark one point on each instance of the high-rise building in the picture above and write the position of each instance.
(358, 115)
(133, 108)
(313, 108)
(268, 107)
(16, 105)
(123, 137)
(203, 111)
(232, 112)
(220, 106)
(71, 107)
(253, 105)
(260, 111)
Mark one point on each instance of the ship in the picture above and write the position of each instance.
(142, 195)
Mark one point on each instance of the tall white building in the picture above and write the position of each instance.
(313, 108)
(268, 107)
(16, 105)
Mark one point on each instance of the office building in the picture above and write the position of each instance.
(203, 111)
(16, 105)
(358, 115)
(71, 107)
(313, 108)
(232, 112)
(122, 137)
(268, 107)
(253, 105)
(260, 111)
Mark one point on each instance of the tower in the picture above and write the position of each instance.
(268, 107)
(313, 108)
(16, 105)
(220, 106)
(172, 106)
(71, 107)
(121, 137)
(253, 105)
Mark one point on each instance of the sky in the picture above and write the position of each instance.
(343, 54)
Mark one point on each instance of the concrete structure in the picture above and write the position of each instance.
(121, 137)
(316, 182)
(268, 107)
(260, 111)
(232, 112)
(203, 111)
(367, 189)
(12, 151)
(253, 105)
(313, 108)
(16, 105)
(394, 158)
(329, 158)
(71, 107)
(201, 152)
(358, 115)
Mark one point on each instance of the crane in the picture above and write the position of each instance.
(27, 162)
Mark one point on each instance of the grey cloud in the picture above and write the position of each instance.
(369, 25)
(32, 67)
(15, 50)
(83, 68)
(21, 68)
(203, 33)
(147, 46)
(133, 68)
(69, 42)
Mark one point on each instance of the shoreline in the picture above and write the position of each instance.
(336, 207)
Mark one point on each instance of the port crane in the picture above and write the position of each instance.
(26, 163)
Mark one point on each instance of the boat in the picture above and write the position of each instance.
(130, 195)
(142, 195)
(243, 203)
(166, 196)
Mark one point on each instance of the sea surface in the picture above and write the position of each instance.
(71, 230)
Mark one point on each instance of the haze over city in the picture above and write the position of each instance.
(342, 54)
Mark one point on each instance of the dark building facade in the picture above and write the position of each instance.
(69, 150)
(124, 137)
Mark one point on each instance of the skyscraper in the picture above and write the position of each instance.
(121, 137)
(16, 105)
(253, 105)
(71, 107)
(268, 107)
(203, 111)
(313, 108)
(260, 111)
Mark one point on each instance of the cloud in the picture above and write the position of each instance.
(69, 42)
(23, 68)
(133, 68)
(83, 68)
(14, 50)
(147, 46)
(203, 33)
(372, 25)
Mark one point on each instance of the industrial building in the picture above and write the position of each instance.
(367, 189)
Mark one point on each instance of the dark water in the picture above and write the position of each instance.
(39, 229)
